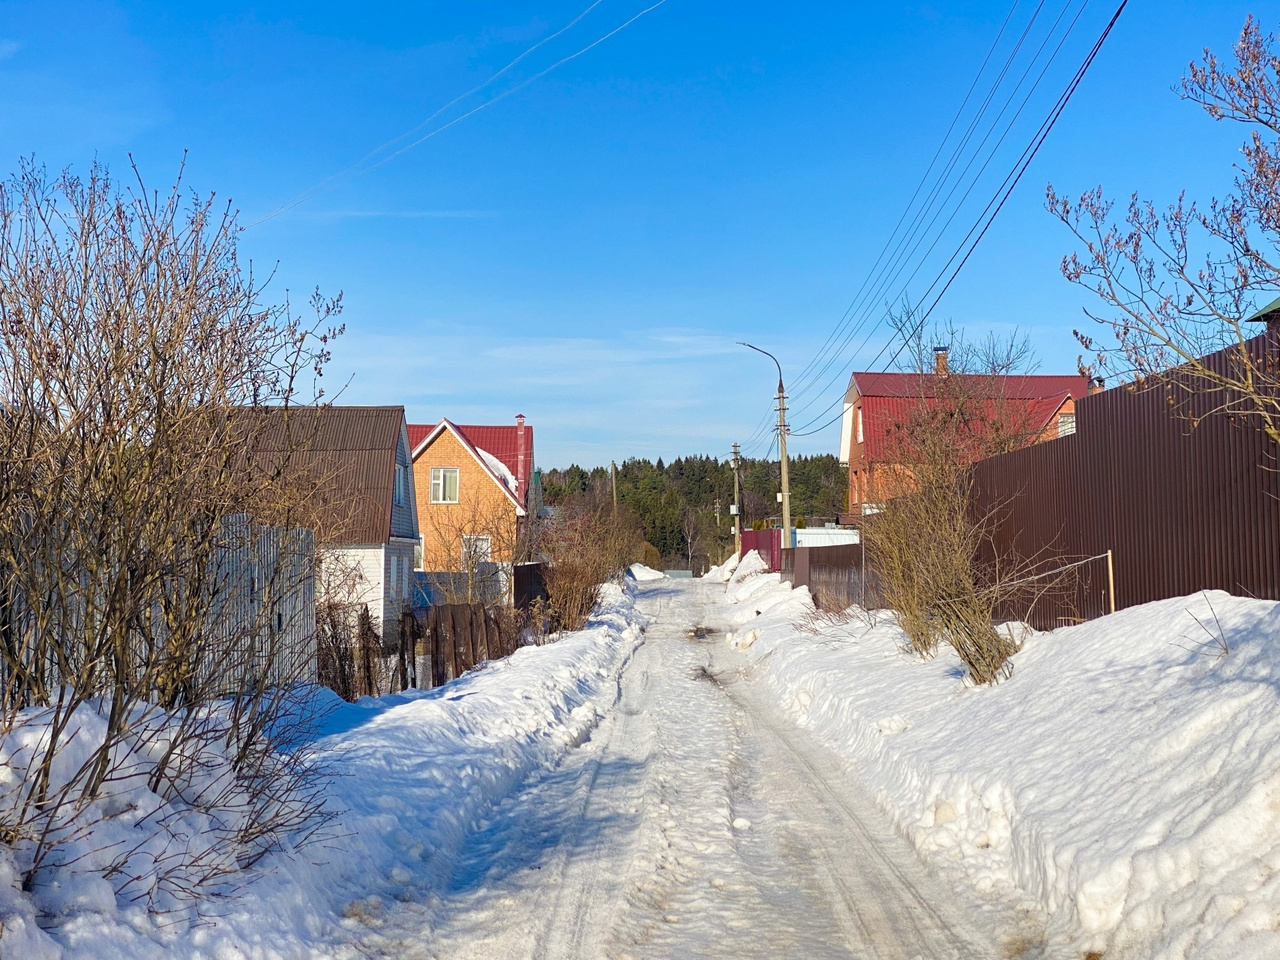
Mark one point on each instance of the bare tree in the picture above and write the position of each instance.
(1179, 283)
(471, 543)
(147, 568)
(691, 530)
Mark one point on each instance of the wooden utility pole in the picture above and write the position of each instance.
(717, 514)
(737, 504)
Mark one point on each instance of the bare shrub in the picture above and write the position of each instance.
(925, 541)
(586, 545)
(152, 605)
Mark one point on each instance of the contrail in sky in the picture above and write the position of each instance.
(360, 168)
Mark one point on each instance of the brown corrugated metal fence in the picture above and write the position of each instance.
(1181, 509)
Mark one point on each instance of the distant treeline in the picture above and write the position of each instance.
(675, 502)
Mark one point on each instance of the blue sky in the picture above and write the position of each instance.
(588, 249)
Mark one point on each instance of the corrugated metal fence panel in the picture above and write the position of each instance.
(1181, 509)
(768, 543)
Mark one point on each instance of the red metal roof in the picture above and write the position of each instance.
(1021, 387)
(1032, 414)
(500, 441)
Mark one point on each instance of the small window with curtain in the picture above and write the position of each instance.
(476, 549)
(444, 484)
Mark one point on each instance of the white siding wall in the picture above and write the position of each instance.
(384, 596)
(399, 557)
(367, 562)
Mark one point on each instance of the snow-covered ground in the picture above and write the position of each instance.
(415, 773)
(692, 794)
(1126, 777)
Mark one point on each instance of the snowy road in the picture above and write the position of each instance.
(692, 824)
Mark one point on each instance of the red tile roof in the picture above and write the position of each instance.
(498, 440)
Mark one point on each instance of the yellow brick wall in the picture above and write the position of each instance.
(482, 508)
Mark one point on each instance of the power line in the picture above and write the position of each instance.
(915, 237)
(997, 203)
(919, 186)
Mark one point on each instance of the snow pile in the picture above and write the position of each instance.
(413, 772)
(1127, 775)
(751, 577)
(500, 469)
(639, 571)
(722, 572)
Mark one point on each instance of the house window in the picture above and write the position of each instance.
(859, 424)
(393, 581)
(402, 484)
(1066, 424)
(444, 484)
(477, 549)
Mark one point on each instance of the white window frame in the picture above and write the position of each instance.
(859, 416)
(401, 485)
(438, 486)
(469, 552)
(1066, 419)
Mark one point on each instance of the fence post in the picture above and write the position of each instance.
(1111, 581)
(435, 644)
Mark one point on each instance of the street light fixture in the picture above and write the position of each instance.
(782, 446)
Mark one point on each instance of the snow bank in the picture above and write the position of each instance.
(413, 773)
(1127, 775)
(639, 571)
(722, 572)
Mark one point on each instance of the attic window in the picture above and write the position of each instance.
(444, 484)
(859, 414)
(1066, 424)
(401, 484)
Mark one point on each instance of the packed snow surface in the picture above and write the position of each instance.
(1126, 777)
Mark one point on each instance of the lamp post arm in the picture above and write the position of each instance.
(743, 343)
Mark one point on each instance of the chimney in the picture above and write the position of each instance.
(1096, 385)
(940, 361)
(522, 461)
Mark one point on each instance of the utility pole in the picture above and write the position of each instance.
(717, 513)
(737, 505)
(613, 475)
(782, 457)
(785, 496)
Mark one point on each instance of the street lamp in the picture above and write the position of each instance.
(782, 446)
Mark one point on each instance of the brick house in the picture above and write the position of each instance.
(1044, 407)
(473, 489)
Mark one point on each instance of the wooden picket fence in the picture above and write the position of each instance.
(462, 635)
